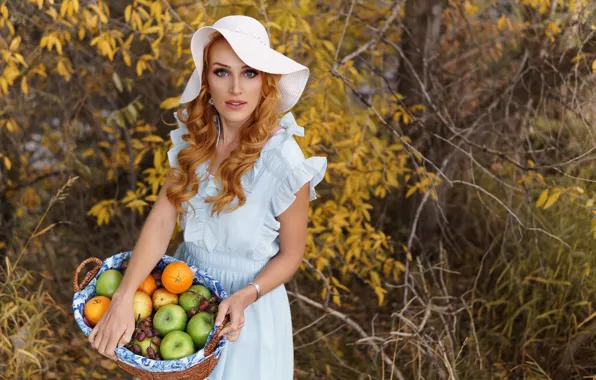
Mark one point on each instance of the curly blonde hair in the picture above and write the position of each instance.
(202, 138)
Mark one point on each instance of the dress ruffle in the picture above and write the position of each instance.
(177, 141)
(311, 169)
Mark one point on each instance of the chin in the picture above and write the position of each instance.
(236, 116)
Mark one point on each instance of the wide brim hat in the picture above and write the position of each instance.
(249, 40)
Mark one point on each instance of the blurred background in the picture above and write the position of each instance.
(453, 236)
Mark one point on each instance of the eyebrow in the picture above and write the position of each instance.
(229, 67)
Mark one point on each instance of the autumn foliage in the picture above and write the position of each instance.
(454, 232)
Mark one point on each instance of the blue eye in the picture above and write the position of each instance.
(216, 72)
(253, 72)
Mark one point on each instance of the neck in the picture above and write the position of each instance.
(229, 132)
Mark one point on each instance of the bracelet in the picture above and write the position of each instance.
(258, 289)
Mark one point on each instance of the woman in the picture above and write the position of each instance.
(242, 185)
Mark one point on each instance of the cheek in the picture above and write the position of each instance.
(254, 89)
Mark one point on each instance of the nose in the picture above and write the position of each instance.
(235, 86)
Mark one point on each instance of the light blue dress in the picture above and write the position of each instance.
(234, 247)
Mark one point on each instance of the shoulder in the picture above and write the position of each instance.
(282, 152)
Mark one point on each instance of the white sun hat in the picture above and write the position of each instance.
(249, 39)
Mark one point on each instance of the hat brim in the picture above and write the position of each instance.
(294, 76)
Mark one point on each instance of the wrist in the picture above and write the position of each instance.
(122, 295)
(248, 294)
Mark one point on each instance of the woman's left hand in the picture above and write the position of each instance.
(233, 305)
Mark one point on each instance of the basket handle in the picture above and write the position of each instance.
(216, 338)
(88, 277)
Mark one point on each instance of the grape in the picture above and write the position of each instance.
(151, 351)
(156, 341)
(156, 274)
(141, 336)
(158, 357)
(191, 312)
(203, 305)
(136, 349)
(155, 332)
(158, 283)
(149, 333)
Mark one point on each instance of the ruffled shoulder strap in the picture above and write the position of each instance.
(292, 169)
(289, 128)
(177, 141)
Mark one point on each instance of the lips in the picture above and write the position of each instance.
(235, 102)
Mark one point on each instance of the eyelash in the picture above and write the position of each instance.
(247, 71)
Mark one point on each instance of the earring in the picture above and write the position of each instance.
(210, 101)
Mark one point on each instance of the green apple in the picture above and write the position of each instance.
(176, 345)
(199, 328)
(170, 318)
(108, 282)
(146, 343)
(201, 290)
(189, 299)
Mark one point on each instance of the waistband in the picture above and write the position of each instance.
(195, 255)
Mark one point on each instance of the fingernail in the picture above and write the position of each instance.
(217, 323)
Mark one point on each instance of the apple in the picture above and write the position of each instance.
(199, 328)
(108, 282)
(169, 318)
(146, 343)
(142, 306)
(176, 345)
(201, 290)
(162, 297)
(189, 300)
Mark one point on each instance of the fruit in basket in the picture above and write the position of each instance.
(189, 300)
(145, 345)
(176, 345)
(148, 285)
(142, 305)
(177, 277)
(108, 282)
(95, 308)
(162, 297)
(199, 328)
(170, 318)
(201, 290)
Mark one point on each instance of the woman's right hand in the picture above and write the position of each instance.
(115, 328)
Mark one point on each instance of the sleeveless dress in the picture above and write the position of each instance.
(234, 247)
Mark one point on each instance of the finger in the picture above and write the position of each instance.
(93, 334)
(112, 343)
(127, 336)
(221, 313)
(237, 314)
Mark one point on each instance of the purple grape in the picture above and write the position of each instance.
(203, 305)
(141, 336)
(158, 357)
(156, 341)
(155, 332)
(136, 349)
(151, 351)
(149, 333)
(158, 283)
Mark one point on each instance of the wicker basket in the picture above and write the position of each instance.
(197, 371)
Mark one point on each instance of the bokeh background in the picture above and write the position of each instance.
(453, 236)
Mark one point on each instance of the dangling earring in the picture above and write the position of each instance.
(210, 101)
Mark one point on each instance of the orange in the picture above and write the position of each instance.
(95, 308)
(177, 277)
(148, 286)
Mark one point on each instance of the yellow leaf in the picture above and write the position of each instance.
(552, 199)
(542, 198)
(7, 163)
(594, 66)
(24, 86)
(153, 138)
(170, 103)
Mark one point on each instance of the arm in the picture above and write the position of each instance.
(151, 245)
(117, 325)
(292, 236)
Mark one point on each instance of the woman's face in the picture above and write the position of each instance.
(234, 87)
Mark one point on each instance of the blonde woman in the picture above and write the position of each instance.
(242, 186)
